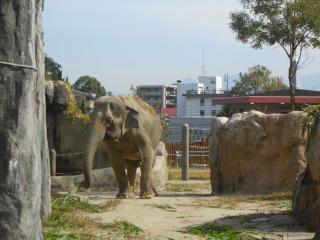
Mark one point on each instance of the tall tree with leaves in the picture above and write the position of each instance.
(278, 22)
(54, 68)
(259, 79)
(89, 84)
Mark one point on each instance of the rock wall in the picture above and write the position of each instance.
(66, 136)
(257, 153)
(24, 160)
(306, 197)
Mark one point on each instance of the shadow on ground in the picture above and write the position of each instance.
(252, 226)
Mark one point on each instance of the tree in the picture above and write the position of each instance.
(309, 13)
(279, 22)
(257, 80)
(54, 68)
(89, 84)
(133, 90)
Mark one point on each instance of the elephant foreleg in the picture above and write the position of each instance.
(119, 171)
(131, 172)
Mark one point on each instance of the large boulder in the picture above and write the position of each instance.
(257, 153)
(306, 199)
(105, 180)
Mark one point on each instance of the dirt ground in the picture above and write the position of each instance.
(189, 203)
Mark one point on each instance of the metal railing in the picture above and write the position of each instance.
(198, 155)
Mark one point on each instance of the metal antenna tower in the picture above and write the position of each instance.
(204, 69)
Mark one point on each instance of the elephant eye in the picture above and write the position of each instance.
(111, 106)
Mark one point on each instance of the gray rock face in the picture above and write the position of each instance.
(306, 200)
(213, 138)
(24, 161)
(257, 153)
(65, 136)
(105, 180)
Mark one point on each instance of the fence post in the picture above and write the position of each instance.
(53, 161)
(185, 152)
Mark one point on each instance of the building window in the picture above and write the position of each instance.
(201, 112)
(213, 113)
(202, 101)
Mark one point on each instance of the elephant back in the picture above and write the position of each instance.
(137, 104)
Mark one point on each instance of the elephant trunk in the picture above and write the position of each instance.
(96, 134)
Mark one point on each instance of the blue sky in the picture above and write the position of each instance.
(125, 42)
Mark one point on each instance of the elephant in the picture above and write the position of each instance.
(131, 130)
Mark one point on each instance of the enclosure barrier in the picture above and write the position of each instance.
(198, 155)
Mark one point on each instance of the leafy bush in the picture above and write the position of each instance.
(311, 121)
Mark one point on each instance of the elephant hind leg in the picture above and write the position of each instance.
(131, 172)
(156, 194)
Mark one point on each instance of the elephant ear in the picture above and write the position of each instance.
(132, 119)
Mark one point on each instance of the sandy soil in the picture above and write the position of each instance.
(166, 216)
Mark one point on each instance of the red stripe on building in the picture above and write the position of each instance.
(265, 100)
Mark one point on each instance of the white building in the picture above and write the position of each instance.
(194, 97)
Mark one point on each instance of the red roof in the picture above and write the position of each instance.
(169, 111)
(265, 100)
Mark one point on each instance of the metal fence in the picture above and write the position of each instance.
(198, 155)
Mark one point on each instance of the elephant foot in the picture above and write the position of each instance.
(130, 195)
(156, 194)
(122, 196)
(147, 196)
(317, 236)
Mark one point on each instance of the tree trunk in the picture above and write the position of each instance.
(292, 72)
(24, 160)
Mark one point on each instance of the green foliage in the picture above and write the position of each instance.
(67, 222)
(51, 235)
(269, 22)
(212, 231)
(54, 68)
(89, 84)
(311, 121)
(309, 15)
(73, 112)
(225, 111)
(257, 80)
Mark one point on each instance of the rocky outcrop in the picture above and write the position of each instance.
(257, 153)
(306, 197)
(105, 180)
(67, 137)
(213, 138)
(24, 160)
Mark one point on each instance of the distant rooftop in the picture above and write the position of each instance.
(286, 92)
(275, 97)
